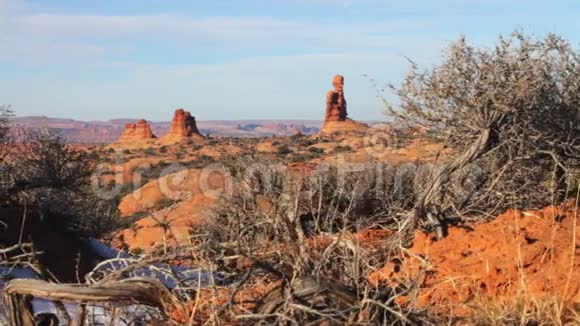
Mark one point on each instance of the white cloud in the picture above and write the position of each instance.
(56, 26)
(97, 35)
(151, 26)
(44, 37)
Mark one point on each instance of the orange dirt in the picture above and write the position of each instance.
(533, 253)
(198, 312)
(418, 150)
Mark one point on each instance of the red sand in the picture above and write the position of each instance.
(533, 252)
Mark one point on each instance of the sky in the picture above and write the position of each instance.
(244, 59)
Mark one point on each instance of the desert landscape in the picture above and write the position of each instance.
(106, 132)
(458, 207)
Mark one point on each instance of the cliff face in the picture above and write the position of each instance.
(136, 132)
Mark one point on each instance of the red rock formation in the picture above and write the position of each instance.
(136, 131)
(183, 125)
(336, 119)
(335, 101)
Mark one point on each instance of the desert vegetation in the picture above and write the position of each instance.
(512, 113)
(348, 228)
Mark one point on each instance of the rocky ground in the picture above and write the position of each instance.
(519, 254)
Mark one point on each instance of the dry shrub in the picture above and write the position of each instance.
(523, 310)
(43, 172)
(294, 228)
(5, 114)
(511, 111)
(271, 205)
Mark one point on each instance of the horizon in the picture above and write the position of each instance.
(256, 60)
(16, 117)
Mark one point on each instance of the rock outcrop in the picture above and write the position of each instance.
(336, 118)
(335, 101)
(183, 126)
(193, 194)
(136, 132)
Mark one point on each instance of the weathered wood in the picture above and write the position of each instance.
(134, 291)
(131, 291)
(20, 312)
(477, 149)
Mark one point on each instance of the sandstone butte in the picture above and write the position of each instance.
(336, 118)
(183, 126)
(136, 132)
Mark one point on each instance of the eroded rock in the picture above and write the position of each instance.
(183, 124)
(137, 131)
(336, 118)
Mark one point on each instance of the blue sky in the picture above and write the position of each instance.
(244, 59)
